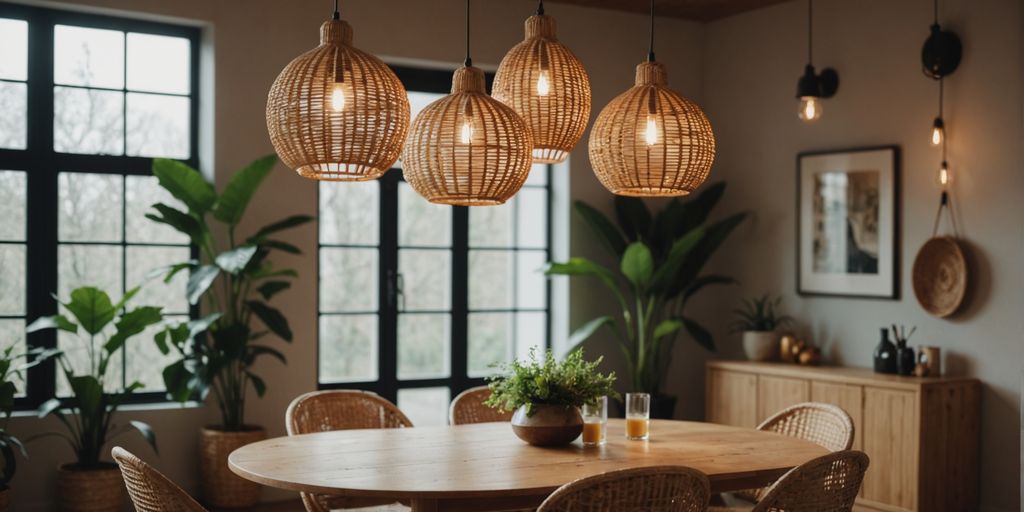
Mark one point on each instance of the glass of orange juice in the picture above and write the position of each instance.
(638, 416)
(595, 422)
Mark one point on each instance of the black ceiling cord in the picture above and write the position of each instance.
(650, 51)
(469, 61)
(540, 8)
(810, 31)
(337, 13)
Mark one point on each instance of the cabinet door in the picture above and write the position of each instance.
(732, 398)
(891, 440)
(776, 393)
(846, 396)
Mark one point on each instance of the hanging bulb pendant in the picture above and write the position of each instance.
(810, 109)
(938, 132)
(943, 175)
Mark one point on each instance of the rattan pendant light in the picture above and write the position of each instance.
(467, 149)
(337, 113)
(650, 141)
(545, 83)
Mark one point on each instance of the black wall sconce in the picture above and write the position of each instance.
(812, 87)
(940, 56)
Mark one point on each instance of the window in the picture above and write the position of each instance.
(417, 300)
(89, 101)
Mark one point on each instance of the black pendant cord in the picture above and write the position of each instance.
(650, 50)
(337, 13)
(810, 31)
(936, 12)
(469, 60)
(942, 82)
(540, 8)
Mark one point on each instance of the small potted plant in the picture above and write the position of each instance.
(759, 323)
(90, 483)
(11, 370)
(547, 395)
(235, 281)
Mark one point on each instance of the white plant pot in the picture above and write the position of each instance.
(761, 345)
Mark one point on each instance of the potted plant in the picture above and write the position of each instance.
(547, 395)
(10, 372)
(758, 322)
(235, 280)
(90, 483)
(660, 261)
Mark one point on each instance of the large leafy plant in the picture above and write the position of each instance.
(12, 369)
(660, 257)
(234, 277)
(572, 382)
(88, 417)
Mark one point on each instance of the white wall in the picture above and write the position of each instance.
(752, 64)
(250, 42)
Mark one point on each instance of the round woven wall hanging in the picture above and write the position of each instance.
(940, 274)
(546, 84)
(338, 113)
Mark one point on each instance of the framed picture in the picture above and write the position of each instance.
(848, 223)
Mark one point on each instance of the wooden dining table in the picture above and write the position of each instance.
(486, 467)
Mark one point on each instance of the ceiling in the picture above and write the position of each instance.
(697, 10)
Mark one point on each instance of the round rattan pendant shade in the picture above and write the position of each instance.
(343, 128)
(546, 84)
(650, 141)
(467, 149)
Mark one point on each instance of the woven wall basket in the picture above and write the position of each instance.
(676, 163)
(484, 164)
(546, 84)
(358, 142)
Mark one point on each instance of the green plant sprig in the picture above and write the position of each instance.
(759, 314)
(572, 382)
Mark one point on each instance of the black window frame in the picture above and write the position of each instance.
(388, 382)
(42, 164)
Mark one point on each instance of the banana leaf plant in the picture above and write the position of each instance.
(235, 280)
(660, 257)
(12, 370)
(89, 415)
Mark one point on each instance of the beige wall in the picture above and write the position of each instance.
(752, 64)
(251, 41)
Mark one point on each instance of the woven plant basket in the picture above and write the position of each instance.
(467, 149)
(679, 158)
(546, 84)
(359, 141)
(220, 487)
(90, 490)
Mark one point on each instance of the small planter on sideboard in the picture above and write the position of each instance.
(922, 434)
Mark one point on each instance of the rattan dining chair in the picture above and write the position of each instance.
(324, 411)
(829, 483)
(149, 489)
(649, 489)
(468, 407)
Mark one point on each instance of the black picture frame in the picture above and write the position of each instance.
(887, 284)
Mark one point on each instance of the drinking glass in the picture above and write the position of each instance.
(638, 416)
(595, 422)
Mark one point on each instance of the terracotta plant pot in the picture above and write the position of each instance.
(550, 425)
(90, 490)
(760, 345)
(220, 487)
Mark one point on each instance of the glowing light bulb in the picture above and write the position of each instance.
(338, 97)
(466, 134)
(810, 109)
(943, 175)
(543, 84)
(651, 133)
(938, 131)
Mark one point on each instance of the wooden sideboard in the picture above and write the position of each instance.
(922, 434)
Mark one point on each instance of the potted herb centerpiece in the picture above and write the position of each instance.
(90, 483)
(547, 395)
(758, 322)
(235, 281)
(660, 261)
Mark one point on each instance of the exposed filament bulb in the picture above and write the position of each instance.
(466, 133)
(651, 133)
(338, 97)
(943, 174)
(938, 131)
(543, 84)
(810, 109)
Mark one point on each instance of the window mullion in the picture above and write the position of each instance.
(387, 339)
(460, 299)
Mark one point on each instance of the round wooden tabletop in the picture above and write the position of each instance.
(488, 461)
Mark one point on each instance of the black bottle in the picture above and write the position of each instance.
(905, 359)
(885, 354)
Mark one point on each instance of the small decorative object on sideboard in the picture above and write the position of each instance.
(905, 358)
(929, 362)
(546, 396)
(757, 320)
(810, 355)
(885, 354)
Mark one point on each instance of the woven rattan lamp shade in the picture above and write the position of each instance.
(467, 148)
(357, 136)
(650, 141)
(546, 84)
